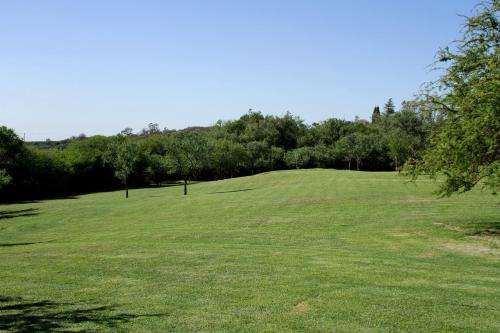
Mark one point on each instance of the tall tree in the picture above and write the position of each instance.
(389, 107)
(376, 115)
(465, 101)
(122, 153)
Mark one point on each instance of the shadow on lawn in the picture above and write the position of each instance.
(22, 244)
(10, 214)
(37, 199)
(485, 227)
(232, 191)
(19, 315)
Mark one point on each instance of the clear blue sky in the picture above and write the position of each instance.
(96, 67)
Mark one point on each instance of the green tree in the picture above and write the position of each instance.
(330, 131)
(4, 178)
(389, 107)
(157, 168)
(256, 152)
(363, 144)
(226, 156)
(300, 157)
(10, 148)
(122, 153)
(405, 133)
(85, 159)
(128, 131)
(187, 154)
(398, 144)
(376, 115)
(464, 145)
(345, 148)
(288, 130)
(275, 159)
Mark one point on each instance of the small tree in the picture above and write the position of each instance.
(4, 178)
(362, 146)
(256, 152)
(275, 157)
(121, 155)
(300, 157)
(345, 147)
(127, 132)
(187, 155)
(398, 144)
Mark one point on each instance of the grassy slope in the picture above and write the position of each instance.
(313, 250)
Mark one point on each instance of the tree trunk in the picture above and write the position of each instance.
(185, 186)
(349, 165)
(397, 169)
(126, 190)
(357, 165)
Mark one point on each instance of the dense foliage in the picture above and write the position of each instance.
(465, 101)
(253, 143)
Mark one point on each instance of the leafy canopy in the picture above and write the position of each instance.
(465, 103)
(122, 153)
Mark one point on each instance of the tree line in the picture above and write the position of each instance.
(452, 129)
(253, 143)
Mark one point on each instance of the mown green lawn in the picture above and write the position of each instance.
(304, 251)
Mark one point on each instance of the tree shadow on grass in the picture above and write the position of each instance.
(232, 191)
(167, 184)
(22, 244)
(10, 214)
(37, 199)
(485, 227)
(20, 315)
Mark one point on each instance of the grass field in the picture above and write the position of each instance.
(304, 251)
